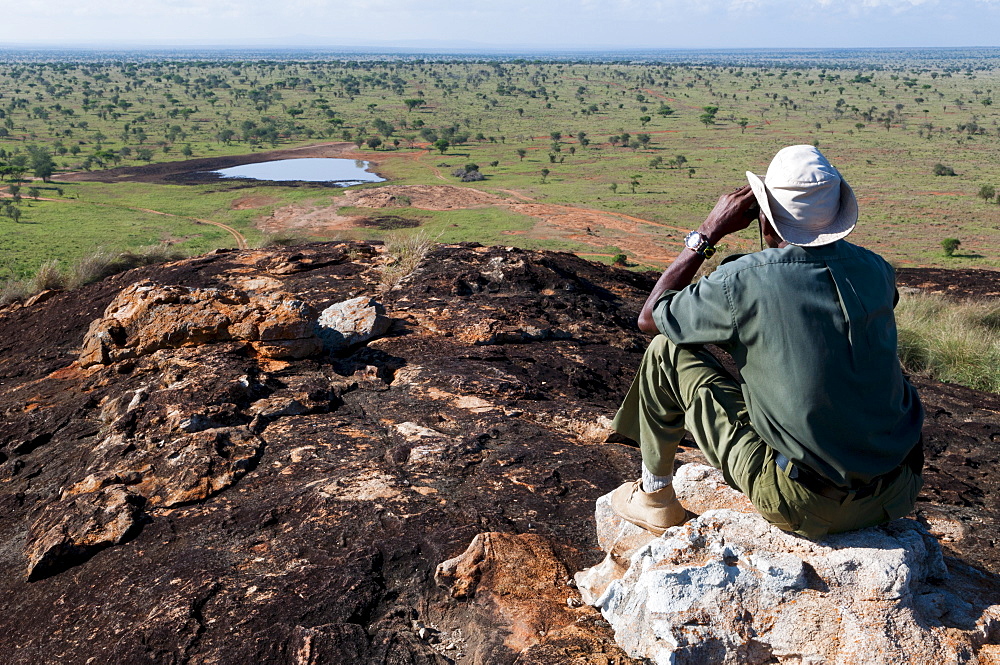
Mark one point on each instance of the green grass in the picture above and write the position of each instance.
(67, 231)
(906, 210)
(955, 342)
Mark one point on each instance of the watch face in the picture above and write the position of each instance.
(692, 240)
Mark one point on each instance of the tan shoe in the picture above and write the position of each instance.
(653, 511)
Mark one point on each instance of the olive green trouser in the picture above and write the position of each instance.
(680, 389)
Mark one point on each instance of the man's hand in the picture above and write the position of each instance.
(732, 212)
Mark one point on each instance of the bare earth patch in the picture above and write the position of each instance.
(253, 201)
(596, 228)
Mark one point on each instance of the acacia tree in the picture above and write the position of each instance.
(708, 117)
(442, 145)
(987, 192)
(41, 162)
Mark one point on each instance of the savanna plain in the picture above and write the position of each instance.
(612, 160)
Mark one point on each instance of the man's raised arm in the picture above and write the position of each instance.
(731, 213)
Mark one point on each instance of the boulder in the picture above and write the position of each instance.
(146, 317)
(727, 587)
(351, 322)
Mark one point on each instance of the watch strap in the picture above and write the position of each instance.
(702, 247)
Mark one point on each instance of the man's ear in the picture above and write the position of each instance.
(771, 236)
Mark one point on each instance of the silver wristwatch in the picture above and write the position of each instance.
(699, 244)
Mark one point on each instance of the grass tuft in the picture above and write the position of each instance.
(403, 254)
(91, 268)
(280, 239)
(48, 276)
(950, 341)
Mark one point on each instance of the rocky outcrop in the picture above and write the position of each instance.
(191, 497)
(146, 317)
(727, 587)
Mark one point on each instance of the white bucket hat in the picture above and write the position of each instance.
(806, 199)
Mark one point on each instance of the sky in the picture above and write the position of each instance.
(538, 24)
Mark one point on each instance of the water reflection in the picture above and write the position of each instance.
(342, 172)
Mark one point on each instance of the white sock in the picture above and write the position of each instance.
(652, 482)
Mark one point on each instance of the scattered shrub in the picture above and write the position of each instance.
(941, 169)
(469, 173)
(950, 245)
(620, 260)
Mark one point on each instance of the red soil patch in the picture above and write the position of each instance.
(253, 201)
(596, 228)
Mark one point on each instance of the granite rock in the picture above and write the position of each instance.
(727, 587)
(351, 322)
(146, 317)
(70, 531)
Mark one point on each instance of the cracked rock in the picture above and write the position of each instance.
(72, 530)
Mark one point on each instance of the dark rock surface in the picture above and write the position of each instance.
(205, 502)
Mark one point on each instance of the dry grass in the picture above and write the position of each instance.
(279, 239)
(49, 276)
(951, 341)
(91, 268)
(403, 254)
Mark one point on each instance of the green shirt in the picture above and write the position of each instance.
(813, 334)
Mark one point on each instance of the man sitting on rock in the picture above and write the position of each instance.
(822, 430)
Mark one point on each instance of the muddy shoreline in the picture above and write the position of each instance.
(198, 171)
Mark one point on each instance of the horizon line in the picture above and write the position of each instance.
(463, 49)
